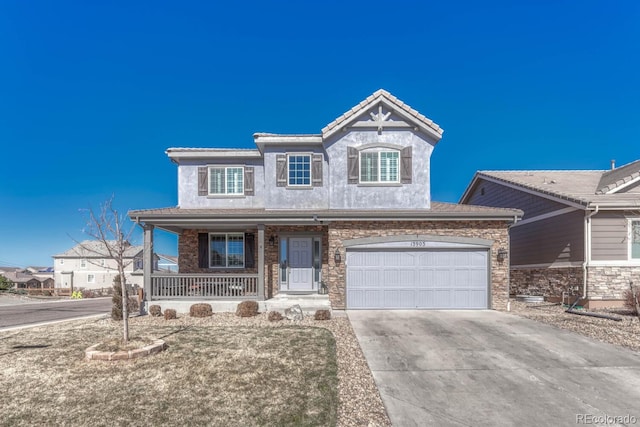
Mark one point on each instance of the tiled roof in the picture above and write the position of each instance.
(96, 249)
(578, 186)
(371, 100)
(615, 178)
(438, 209)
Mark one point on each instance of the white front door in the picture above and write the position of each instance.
(300, 263)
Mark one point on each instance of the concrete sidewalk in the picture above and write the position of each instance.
(487, 368)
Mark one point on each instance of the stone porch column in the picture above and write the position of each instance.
(147, 266)
(261, 293)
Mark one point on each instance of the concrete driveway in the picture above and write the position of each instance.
(487, 368)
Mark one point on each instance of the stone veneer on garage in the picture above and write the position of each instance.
(334, 275)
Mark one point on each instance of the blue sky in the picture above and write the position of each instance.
(91, 95)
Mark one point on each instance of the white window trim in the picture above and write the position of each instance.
(83, 263)
(378, 150)
(226, 242)
(310, 156)
(226, 168)
(630, 239)
(91, 276)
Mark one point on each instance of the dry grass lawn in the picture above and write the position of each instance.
(209, 375)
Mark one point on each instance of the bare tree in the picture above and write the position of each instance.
(112, 231)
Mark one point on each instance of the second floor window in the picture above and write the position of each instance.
(83, 263)
(379, 166)
(299, 170)
(226, 180)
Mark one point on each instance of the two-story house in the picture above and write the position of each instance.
(580, 232)
(348, 210)
(88, 265)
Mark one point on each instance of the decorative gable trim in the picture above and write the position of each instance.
(383, 98)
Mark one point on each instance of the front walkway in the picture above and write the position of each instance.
(487, 368)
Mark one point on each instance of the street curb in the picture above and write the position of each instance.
(53, 322)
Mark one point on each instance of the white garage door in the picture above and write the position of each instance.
(410, 279)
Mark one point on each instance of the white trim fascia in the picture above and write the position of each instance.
(534, 192)
(630, 222)
(563, 264)
(620, 263)
(623, 186)
(179, 154)
(545, 216)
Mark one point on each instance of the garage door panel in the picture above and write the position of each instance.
(396, 279)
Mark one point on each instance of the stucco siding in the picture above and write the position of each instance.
(609, 236)
(393, 196)
(293, 197)
(188, 197)
(552, 240)
(501, 196)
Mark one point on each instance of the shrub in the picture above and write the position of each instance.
(170, 314)
(46, 293)
(247, 309)
(116, 310)
(275, 316)
(88, 293)
(200, 310)
(155, 310)
(629, 300)
(322, 315)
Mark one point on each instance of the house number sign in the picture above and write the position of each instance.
(418, 244)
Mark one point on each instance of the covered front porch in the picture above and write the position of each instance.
(233, 260)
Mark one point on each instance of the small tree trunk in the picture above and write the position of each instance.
(125, 303)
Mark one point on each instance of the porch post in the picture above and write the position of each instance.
(147, 265)
(261, 293)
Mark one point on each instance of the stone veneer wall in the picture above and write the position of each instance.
(548, 282)
(609, 283)
(345, 230)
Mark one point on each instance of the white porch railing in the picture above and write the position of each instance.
(201, 286)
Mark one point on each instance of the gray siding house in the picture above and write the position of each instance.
(347, 211)
(580, 232)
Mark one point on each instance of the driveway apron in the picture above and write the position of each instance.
(488, 368)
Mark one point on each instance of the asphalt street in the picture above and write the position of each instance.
(23, 314)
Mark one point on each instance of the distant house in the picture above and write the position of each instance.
(167, 263)
(25, 280)
(88, 265)
(580, 232)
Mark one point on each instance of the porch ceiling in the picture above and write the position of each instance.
(176, 219)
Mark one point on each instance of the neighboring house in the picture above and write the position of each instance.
(22, 279)
(580, 232)
(167, 264)
(88, 265)
(348, 210)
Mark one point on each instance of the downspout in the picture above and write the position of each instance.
(587, 248)
(515, 220)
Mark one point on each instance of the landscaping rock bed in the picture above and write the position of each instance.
(625, 333)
